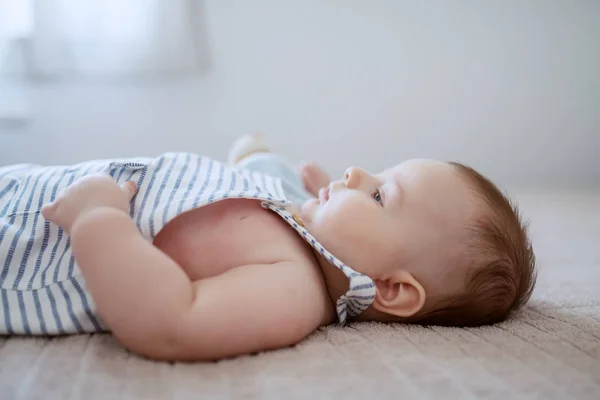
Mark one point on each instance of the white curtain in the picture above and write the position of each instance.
(66, 38)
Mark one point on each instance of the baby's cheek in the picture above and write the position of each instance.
(342, 227)
(337, 216)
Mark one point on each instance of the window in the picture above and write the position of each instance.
(50, 38)
(72, 39)
(16, 25)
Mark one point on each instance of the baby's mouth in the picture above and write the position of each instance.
(324, 194)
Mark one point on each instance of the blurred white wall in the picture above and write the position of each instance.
(509, 87)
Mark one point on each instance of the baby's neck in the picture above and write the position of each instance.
(336, 282)
(337, 285)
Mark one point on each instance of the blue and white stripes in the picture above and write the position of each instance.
(41, 288)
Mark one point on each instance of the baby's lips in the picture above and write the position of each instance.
(324, 194)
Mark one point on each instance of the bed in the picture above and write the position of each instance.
(551, 349)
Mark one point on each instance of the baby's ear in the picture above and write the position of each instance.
(401, 295)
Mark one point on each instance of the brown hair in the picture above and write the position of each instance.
(502, 263)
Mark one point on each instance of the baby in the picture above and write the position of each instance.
(185, 258)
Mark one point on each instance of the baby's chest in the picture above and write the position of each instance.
(212, 239)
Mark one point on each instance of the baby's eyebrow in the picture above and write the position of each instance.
(396, 191)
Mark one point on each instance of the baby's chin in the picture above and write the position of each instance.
(308, 210)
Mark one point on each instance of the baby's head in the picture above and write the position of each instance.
(443, 245)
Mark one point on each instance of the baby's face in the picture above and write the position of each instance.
(411, 216)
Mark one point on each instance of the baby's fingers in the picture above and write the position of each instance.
(130, 188)
(48, 210)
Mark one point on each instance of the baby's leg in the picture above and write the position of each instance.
(250, 152)
(246, 146)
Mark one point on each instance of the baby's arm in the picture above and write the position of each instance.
(154, 309)
(151, 305)
(135, 286)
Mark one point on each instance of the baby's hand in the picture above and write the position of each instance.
(313, 177)
(89, 193)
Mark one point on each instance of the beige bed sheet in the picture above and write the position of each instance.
(549, 350)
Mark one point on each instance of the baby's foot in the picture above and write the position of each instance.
(314, 177)
(246, 146)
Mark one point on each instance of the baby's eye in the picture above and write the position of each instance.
(377, 197)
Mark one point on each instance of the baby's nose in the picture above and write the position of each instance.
(347, 173)
(352, 177)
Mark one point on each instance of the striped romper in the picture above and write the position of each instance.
(42, 291)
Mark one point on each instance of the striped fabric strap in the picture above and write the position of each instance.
(361, 289)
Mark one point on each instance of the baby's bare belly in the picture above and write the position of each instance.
(212, 239)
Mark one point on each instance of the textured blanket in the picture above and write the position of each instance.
(549, 350)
